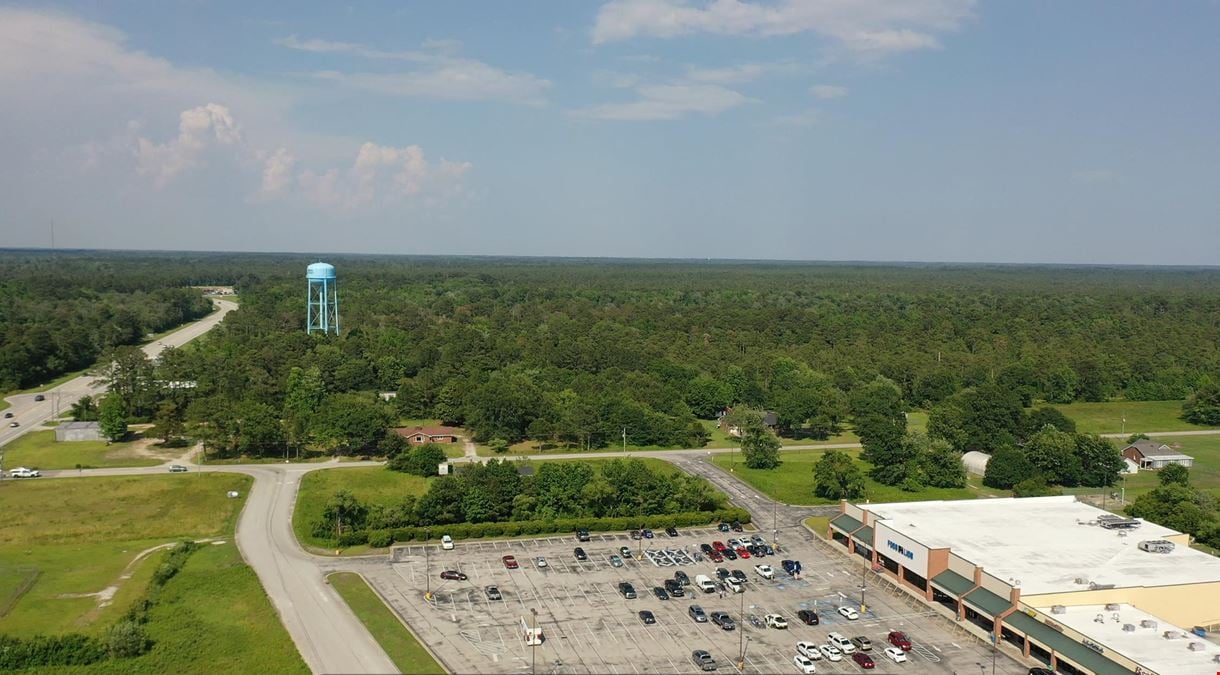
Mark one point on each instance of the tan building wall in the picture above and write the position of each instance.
(961, 565)
(1187, 605)
(996, 585)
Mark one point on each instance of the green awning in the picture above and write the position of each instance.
(864, 535)
(952, 583)
(981, 598)
(1062, 645)
(846, 523)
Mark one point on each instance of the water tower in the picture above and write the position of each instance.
(323, 306)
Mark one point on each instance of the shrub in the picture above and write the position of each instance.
(127, 639)
(380, 538)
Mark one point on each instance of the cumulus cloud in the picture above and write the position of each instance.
(382, 174)
(827, 91)
(440, 75)
(862, 26)
(744, 72)
(198, 128)
(669, 102)
(277, 173)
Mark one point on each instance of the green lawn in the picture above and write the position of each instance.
(398, 642)
(39, 450)
(81, 534)
(1141, 416)
(371, 485)
(792, 482)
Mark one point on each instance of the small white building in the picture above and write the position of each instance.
(79, 431)
(976, 462)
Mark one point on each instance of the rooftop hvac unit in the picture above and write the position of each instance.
(1128, 628)
(1100, 618)
(1098, 587)
(1059, 609)
(1216, 658)
(1114, 617)
(1173, 634)
(1111, 606)
(1082, 580)
(1156, 546)
(1148, 623)
(1196, 646)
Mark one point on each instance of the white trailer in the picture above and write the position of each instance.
(532, 634)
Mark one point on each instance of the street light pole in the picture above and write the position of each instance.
(624, 441)
(775, 521)
(863, 585)
(534, 641)
(428, 560)
(741, 661)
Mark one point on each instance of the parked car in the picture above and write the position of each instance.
(647, 617)
(177, 468)
(724, 527)
(809, 650)
(1041, 671)
(736, 525)
(671, 531)
(863, 660)
(841, 642)
(696, 613)
(635, 534)
(647, 533)
(715, 557)
(706, 548)
(764, 571)
(898, 656)
(493, 593)
(453, 575)
(14, 425)
(580, 554)
(755, 621)
(803, 664)
(739, 576)
(674, 588)
(729, 554)
(767, 548)
(625, 552)
(540, 561)
(789, 566)
(446, 542)
(848, 613)
(742, 552)
(616, 561)
(582, 534)
(757, 540)
(660, 593)
(22, 472)
(8, 415)
(723, 620)
(510, 562)
(900, 640)
(626, 590)
(681, 578)
(39, 398)
(808, 617)
(703, 660)
(777, 621)
(734, 586)
(718, 546)
(722, 573)
(862, 643)
(831, 652)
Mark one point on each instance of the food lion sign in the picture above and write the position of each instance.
(901, 548)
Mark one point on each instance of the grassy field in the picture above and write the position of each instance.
(81, 535)
(398, 642)
(792, 482)
(1142, 417)
(39, 450)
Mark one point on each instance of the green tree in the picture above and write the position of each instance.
(759, 447)
(303, 397)
(421, 460)
(1174, 474)
(941, 464)
(342, 513)
(1007, 467)
(1100, 461)
(1060, 385)
(168, 423)
(1035, 486)
(1052, 453)
(983, 418)
(349, 423)
(880, 422)
(1177, 506)
(836, 476)
(1040, 417)
(707, 396)
(498, 445)
(85, 410)
(1203, 406)
(113, 417)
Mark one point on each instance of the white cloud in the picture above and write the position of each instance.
(277, 173)
(803, 119)
(441, 75)
(669, 102)
(862, 26)
(827, 91)
(381, 175)
(198, 128)
(744, 72)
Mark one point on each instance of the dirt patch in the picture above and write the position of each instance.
(143, 448)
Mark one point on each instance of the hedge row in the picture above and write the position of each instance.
(383, 538)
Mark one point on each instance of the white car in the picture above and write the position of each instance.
(764, 571)
(809, 650)
(22, 472)
(447, 542)
(777, 621)
(849, 613)
(735, 585)
(541, 561)
(803, 664)
(831, 653)
(896, 655)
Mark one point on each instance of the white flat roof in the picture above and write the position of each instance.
(1042, 543)
(1146, 646)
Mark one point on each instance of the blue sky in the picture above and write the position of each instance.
(786, 129)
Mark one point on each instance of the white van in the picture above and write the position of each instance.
(841, 642)
(447, 542)
(705, 583)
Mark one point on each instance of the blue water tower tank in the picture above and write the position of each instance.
(322, 307)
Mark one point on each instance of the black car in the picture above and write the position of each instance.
(808, 617)
(453, 575)
(723, 620)
(706, 548)
(681, 577)
(722, 573)
(660, 593)
(1041, 671)
(627, 590)
(674, 587)
(580, 554)
(724, 527)
(736, 526)
(788, 565)
(647, 533)
(8, 415)
(39, 398)
(671, 531)
(636, 534)
(582, 534)
(739, 576)
(753, 550)
(647, 617)
(729, 554)
(767, 548)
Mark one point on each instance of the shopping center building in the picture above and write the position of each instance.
(1066, 584)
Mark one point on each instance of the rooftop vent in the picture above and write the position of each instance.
(1216, 658)
(1082, 580)
(1111, 606)
(1173, 634)
(1059, 609)
(1094, 586)
(1113, 522)
(1100, 618)
(1156, 546)
(1128, 628)
(1196, 646)
(1148, 623)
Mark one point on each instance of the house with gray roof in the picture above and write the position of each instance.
(1152, 455)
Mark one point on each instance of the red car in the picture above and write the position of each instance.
(742, 552)
(718, 546)
(900, 640)
(510, 562)
(716, 556)
(863, 660)
(453, 575)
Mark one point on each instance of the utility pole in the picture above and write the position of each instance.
(741, 661)
(863, 584)
(624, 441)
(428, 560)
(533, 641)
(775, 521)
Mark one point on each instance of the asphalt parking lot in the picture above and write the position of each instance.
(588, 627)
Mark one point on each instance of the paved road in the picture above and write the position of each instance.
(29, 413)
